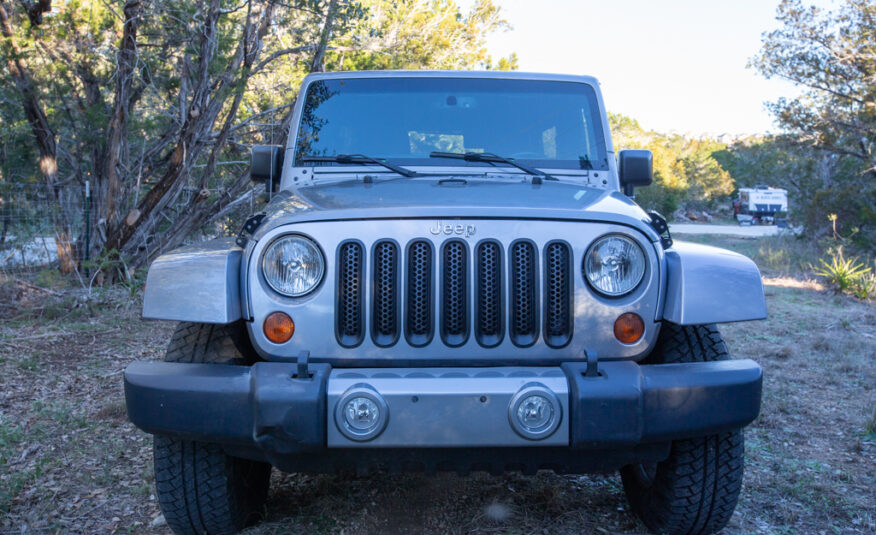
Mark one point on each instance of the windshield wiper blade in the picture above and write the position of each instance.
(491, 158)
(359, 159)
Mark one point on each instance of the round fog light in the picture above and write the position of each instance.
(535, 412)
(361, 413)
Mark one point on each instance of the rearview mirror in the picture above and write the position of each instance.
(266, 163)
(634, 169)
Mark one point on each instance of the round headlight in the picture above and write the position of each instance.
(614, 265)
(293, 265)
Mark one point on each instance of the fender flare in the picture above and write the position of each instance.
(199, 283)
(706, 284)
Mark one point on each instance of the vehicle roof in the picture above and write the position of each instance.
(509, 75)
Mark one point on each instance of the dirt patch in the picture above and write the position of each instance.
(70, 462)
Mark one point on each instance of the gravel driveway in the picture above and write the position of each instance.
(729, 230)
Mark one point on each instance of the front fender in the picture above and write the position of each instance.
(711, 285)
(199, 283)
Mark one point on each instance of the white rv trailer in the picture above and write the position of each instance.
(760, 205)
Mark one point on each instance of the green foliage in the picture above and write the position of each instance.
(686, 171)
(11, 436)
(785, 254)
(865, 287)
(871, 427)
(204, 85)
(419, 34)
(846, 275)
(830, 56)
(819, 184)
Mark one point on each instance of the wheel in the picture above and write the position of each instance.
(201, 489)
(695, 490)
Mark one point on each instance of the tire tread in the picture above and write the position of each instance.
(695, 490)
(201, 489)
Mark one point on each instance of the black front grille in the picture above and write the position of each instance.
(523, 306)
(488, 311)
(484, 290)
(418, 313)
(557, 294)
(349, 325)
(384, 324)
(454, 289)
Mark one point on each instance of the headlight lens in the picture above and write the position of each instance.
(293, 265)
(614, 265)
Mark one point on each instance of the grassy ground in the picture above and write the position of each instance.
(70, 462)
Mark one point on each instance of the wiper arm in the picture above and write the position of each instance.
(492, 158)
(359, 159)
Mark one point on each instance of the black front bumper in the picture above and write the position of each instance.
(265, 411)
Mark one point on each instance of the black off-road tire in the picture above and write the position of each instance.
(695, 490)
(201, 489)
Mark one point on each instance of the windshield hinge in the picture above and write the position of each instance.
(251, 224)
(661, 227)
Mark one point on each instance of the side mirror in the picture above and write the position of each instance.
(634, 169)
(266, 164)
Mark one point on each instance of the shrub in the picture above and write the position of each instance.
(846, 274)
(865, 287)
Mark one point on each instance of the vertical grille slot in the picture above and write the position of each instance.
(523, 307)
(488, 311)
(385, 294)
(349, 325)
(419, 291)
(557, 294)
(454, 293)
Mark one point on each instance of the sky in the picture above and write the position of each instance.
(673, 65)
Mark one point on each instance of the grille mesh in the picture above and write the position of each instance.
(349, 308)
(558, 294)
(419, 293)
(403, 293)
(523, 303)
(455, 293)
(385, 293)
(489, 292)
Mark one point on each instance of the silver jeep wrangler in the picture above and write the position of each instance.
(451, 274)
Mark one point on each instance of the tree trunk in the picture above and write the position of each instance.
(108, 185)
(39, 124)
(319, 57)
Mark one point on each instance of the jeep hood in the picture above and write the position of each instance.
(453, 198)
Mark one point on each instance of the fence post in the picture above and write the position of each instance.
(87, 225)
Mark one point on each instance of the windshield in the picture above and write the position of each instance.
(539, 123)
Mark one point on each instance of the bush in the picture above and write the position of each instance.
(847, 275)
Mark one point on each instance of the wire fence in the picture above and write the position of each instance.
(38, 227)
(43, 231)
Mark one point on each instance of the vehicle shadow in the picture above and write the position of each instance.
(448, 503)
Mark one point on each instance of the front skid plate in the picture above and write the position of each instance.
(447, 407)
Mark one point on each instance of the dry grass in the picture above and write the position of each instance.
(70, 463)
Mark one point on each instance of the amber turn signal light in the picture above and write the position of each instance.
(629, 328)
(279, 327)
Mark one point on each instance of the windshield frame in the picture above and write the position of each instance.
(606, 171)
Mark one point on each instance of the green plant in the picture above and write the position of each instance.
(870, 428)
(865, 286)
(845, 274)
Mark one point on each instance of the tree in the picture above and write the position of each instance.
(831, 57)
(157, 103)
(685, 169)
(416, 34)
